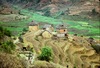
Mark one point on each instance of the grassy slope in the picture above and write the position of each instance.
(81, 27)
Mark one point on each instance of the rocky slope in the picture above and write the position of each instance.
(78, 53)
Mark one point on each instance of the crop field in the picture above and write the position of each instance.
(87, 28)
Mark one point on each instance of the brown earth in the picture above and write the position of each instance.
(9, 61)
(77, 53)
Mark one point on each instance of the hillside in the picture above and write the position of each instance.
(70, 7)
(9, 61)
(70, 29)
(77, 53)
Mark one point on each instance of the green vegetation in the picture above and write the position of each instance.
(4, 32)
(81, 26)
(7, 47)
(46, 53)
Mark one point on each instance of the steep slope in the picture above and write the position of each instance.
(66, 52)
(9, 61)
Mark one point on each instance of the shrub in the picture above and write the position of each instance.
(1, 32)
(25, 29)
(1, 35)
(7, 32)
(7, 47)
(1, 28)
(4, 32)
(46, 54)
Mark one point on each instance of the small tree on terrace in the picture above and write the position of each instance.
(46, 53)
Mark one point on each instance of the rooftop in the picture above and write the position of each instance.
(33, 23)
(61, 26)
(47, 26)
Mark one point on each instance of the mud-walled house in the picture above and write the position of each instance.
(33, 26)
(48, 27)
(62, 31)
(47, 30)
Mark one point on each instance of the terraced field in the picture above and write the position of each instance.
(66, 52)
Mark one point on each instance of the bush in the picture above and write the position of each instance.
(7, 32)
(1, 35)
(7, 47)
(4, 32)
(25, 29)
(1, 32)
(1, 29)
(46, 54)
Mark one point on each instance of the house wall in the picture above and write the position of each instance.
(60, 35)
(62, 30)
(33, 28)
(50, 29)
(46, 34)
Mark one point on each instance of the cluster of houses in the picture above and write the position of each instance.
(59, 31)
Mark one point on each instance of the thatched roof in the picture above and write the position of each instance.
(61, 26)
(33, 23)
(47, 26)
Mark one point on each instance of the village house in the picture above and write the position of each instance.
(46, 34)
(61, 28)
(62, 31)
(33, 26)
(47, 30)
(48, 27)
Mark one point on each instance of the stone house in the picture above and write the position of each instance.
(33, 26)
(46, 34)
(62, 31)
(48, 27)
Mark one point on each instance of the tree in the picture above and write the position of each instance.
(46, 53)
